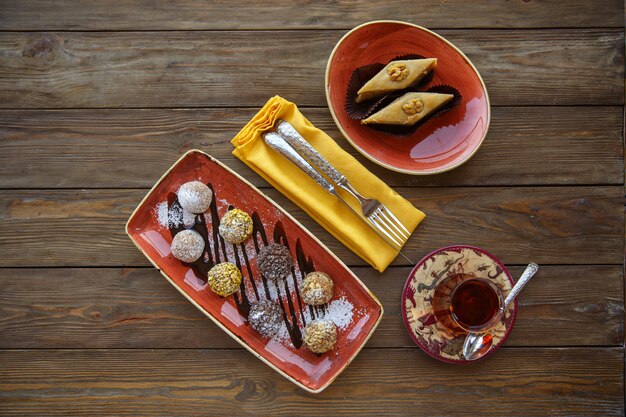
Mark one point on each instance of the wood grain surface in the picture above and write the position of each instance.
(98, 99)
(131, 148)
(243, 68)
(525, 382)
(138, 308)
(238, 14)
(551, 225)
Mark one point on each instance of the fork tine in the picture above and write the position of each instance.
(382, 227)
(387, 238)
(392, 222)
(381, 231)
(385, 222)
(397, 221)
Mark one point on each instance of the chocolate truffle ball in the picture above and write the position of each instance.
(235, 226)
(224, 279)
(274, 261)
(195, 197)
(317, 288)
(320, 335)
(187, 245)
(265, 317)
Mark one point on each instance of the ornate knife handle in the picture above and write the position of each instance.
(528, 273)
(276, 142)
(291, 135)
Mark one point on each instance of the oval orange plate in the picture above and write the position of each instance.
(442, 143)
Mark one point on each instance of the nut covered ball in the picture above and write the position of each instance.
(224, 279)
(320, 336)
(235, 226)
(317, 288)
(274, 261)
(265, 317)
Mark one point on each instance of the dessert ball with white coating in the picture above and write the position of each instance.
(195, 197)
(188, 245)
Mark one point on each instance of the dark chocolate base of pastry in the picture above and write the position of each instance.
(396, 130)
(361, 75)
(406, 57)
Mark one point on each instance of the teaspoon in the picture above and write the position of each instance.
(477, 344)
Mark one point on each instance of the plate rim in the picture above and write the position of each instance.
(404, 311)
(213, 319)
(372, 158)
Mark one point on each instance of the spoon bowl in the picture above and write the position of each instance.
(476, 345)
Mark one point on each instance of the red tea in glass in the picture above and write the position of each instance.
(467, 303)
(474, 303)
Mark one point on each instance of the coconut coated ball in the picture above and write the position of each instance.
(187, 245)
(195, 197)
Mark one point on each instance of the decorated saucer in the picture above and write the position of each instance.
(437, 340)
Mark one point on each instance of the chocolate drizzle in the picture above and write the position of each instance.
(306, 266)
(241, 297)
(247, 262)
(215, 224)
(259, 232)
(217, 254)
(281, 237)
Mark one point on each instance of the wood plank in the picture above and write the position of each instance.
(549, 225)
(237, 14)
(214, 69)
(137, 308)
(514, 382)
(129, 148)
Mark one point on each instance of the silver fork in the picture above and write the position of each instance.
(378, 216)
(373, 210)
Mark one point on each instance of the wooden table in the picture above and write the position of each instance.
(98, 98)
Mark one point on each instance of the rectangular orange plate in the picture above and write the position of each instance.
(354, 308)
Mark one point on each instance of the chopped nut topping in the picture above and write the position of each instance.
(235, 226)
(412, 107)
(397, 71)
(320, 336)
(224, 279)
(317, 288)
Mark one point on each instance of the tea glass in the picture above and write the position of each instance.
(465, 303)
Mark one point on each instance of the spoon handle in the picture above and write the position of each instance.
(530, 270)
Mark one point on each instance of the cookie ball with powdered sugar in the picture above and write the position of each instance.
(188, 246)
(195, 197)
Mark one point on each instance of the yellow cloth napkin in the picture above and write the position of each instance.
(323, 207)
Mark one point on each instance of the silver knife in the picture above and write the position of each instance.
(278, 143)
